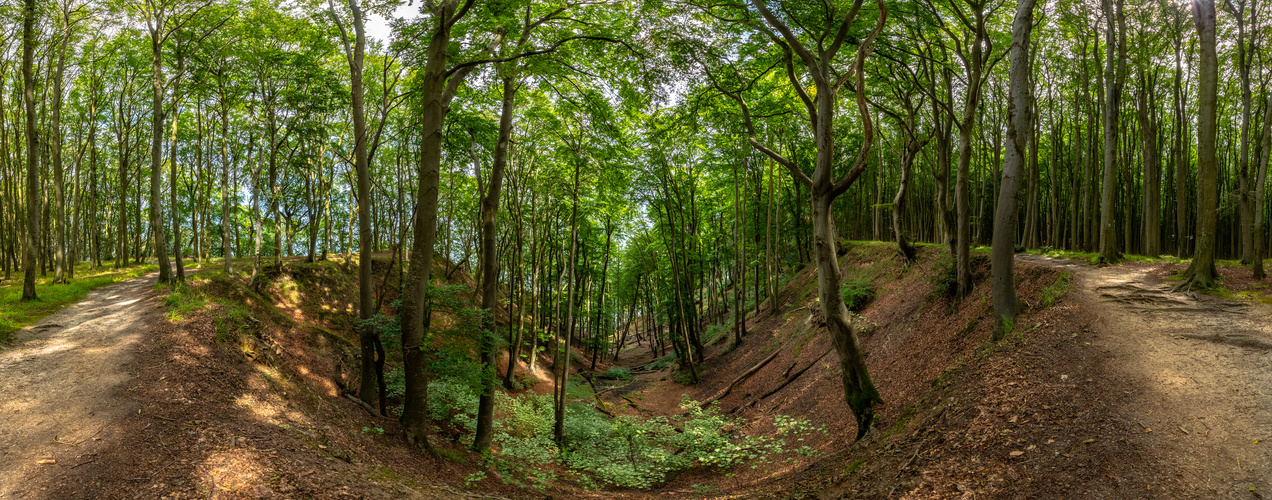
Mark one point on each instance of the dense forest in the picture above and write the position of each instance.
(622, 174)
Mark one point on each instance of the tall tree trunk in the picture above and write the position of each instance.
(435, 94)
(1115, 64)
(1257, 263)
(561, 358)
(32, 151)
(1019, 127)
(739, 260)
(227, 215)
(1152, 169)
(1201, 272)
(354, 54)
(1245, 180)
(172, 154)
(1181, 160)
(490, 268)
(55, 150)
(158, 236)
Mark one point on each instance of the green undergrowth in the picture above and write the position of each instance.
(598, 451)
(1052, 292)
(16, 313)
(1093, 258)
(617, 373)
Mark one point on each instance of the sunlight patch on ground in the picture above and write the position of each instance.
(234, 470)
(258, 408)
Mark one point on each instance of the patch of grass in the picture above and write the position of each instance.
(856, 464)
(661, 363)
(231, 317)
(857, 293)
(182, 301)
(577, 388)
(1094, 258)
(714, 334)
(1054, 291)
(16, 313)
(618, 373)
(453, 456)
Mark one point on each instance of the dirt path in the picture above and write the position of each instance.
(58, 379)
(1196, 371)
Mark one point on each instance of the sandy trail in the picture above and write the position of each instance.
(57, 381)
(1203, 404)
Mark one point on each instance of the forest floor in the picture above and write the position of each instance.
(1122, 389)
(1189, 372)
(59, 408)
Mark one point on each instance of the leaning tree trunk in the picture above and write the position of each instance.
(1019, 127)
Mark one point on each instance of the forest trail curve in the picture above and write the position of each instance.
(1195, 368)
(58, 379)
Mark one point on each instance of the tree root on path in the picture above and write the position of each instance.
(1237, 340)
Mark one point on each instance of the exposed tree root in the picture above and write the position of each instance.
(1237, 340)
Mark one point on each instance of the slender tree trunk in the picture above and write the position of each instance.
(227, 213)
(176, 208)
(739, 260)
(55, 149)
(367, 336)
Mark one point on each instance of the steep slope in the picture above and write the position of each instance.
(918, 339)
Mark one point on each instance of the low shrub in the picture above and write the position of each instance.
(944, 278)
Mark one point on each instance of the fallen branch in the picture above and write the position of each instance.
(796, 375)
(742, 377)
